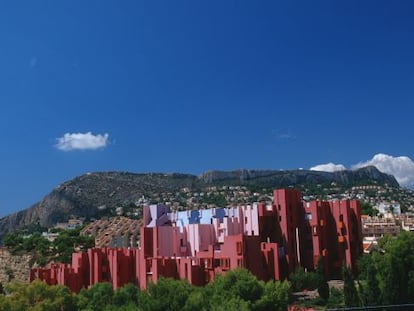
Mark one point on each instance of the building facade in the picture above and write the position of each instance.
(271, 241)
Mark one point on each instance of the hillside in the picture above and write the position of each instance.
(109, 193)
(286, 178)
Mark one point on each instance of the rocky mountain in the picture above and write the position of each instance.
(282, 178)
(94, 194)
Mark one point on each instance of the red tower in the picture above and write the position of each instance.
(288, 204)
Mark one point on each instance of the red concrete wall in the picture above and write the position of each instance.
(291, 234)
(288, 204)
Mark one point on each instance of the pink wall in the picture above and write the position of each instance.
(200, 237)
(252, 237)
(251, 219)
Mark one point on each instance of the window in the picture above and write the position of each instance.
(239, 248)
(207, 263)
(239, 263)
(216, 263)
(225, 263)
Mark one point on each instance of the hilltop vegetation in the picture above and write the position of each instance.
(43, 250)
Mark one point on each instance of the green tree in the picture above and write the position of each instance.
(39, 296)
(5, 304)
(351, 297)
(232, 304)
(238, 284)
(392, 268)
(275, 296)
(126, 295)
(397, 266)
(96, 298)
(367, 209)
(302, 280)
(370, 291)
(336, 298)
(323, 287)
(167, 294)
(125, 307)
(67, 240)
(12, 240)
(197, 300)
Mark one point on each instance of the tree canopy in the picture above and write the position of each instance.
(385, 277)
(390, 273)
(236, 290)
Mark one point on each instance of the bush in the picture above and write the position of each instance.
(336, 298)
(323, 290)
(302, 280)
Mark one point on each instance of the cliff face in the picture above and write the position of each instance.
(291, 177)
(87, 195)
(14, 267)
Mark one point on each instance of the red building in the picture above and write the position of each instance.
(271, 241)
(331, 229)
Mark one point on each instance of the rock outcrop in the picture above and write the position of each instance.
(14, 267)
(285, 178)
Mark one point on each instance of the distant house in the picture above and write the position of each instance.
(71, 224)
(388, 209)
(377, 227)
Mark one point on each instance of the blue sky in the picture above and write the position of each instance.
(189, 86)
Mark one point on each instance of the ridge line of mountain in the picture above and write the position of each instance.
(89, 194)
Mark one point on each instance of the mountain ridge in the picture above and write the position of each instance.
(90, 194)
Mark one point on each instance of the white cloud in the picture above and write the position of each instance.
(328, 167)
(81, 141)
(283, 135)
(402, 168)
(286, 136)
